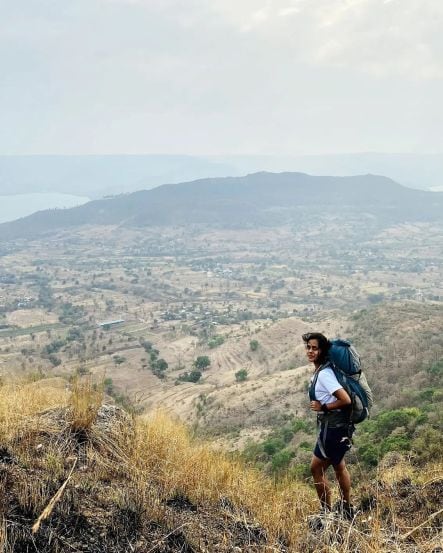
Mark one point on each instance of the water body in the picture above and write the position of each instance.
(19, 205)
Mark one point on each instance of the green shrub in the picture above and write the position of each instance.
(253, 344)
(369, 454)
(82, 371)
(387, 421)
(281, 460)
(241, 375)
(161, 365)
(55, 361)
(272, 445)
(301, 425)
(428, 445)
(193, 376)
(202, 362)
(427, 394)
(299, 471)
(108, 385)
(435, 371)
(395, 443)
(158, 367)
(53, 347)
(215, 341)
(74, 334)
(146, 345)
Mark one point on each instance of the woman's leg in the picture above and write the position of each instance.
(318, 471)
(344, 481)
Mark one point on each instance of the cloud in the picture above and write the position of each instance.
(220, 76)
(377, 37)
(380, 37)
(290, 10)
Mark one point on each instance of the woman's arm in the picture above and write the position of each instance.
(343, 400)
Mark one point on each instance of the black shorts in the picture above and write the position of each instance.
(335, 444)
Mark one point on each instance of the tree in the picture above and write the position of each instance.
(161, 365)
(74, 334)
(435, 371)
(375, 298)
(193, 376)
(202, 362)
(253, 344)
(147, 346)
(241, 375)
(56, 361)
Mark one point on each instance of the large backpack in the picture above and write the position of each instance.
(345, 362)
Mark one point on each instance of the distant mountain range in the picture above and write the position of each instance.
(254, 200)
(420, 171)
(97, 176)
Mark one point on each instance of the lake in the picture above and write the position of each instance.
(20, 205)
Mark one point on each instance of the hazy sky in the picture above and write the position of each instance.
(221, 76)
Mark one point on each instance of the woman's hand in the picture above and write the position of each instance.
(315, 406)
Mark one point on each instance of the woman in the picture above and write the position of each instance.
(329, 400)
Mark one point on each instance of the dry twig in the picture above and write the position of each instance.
(50, 506)
(161, 541)
(405, 536)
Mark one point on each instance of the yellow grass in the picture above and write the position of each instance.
(165, 452)
(84, 402)
(20, 402)
(159, 459)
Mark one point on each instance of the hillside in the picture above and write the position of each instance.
(78, 474)
(261, 199)
(400, 344)
(402, 355)
(240, 297)
(205, 322)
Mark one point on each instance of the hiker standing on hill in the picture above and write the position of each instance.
(334, 438)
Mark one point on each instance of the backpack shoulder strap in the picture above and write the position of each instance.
(311, 390)
(314, 380)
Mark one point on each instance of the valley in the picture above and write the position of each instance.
(206, 322)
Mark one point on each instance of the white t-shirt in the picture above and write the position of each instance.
(326, 385)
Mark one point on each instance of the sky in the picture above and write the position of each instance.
(219, 77)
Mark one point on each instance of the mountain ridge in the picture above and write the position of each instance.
(256, 199)
(98, 175)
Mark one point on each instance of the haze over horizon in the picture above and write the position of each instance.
(288, 77)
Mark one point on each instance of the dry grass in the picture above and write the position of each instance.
(84, 402)
(149, 477)
(192, 469)
(20, 402)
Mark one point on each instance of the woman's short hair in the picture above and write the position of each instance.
(323, 343)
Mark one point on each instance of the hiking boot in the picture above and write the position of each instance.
(319, 522)
(349, 512)
(345, 510)
(316, 523)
